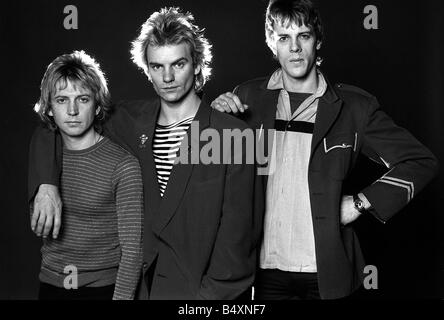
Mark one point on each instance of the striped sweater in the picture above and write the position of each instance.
(101, 233)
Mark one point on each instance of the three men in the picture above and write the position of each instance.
(101, 186)
(309, 249)
(199, 236)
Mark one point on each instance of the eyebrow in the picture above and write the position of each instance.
(174, 62)
(80, 95)
(302, 32)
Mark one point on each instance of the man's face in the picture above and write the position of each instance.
(73, 108)
(172, 71)
(295, 50)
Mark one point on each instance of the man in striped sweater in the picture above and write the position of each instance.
(98, 252)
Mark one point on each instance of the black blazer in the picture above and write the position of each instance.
(202, 233)
(349, 121)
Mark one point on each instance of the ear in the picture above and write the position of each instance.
(50, 112)
(272, 44)
(318, 45)
(98, 110)
(197, 69)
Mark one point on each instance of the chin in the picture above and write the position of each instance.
(173, 98)
(74, 133)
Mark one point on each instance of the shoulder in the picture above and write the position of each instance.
(133, 108)
(221, 120)
(350, 92)
(118, 155)
(253, 84)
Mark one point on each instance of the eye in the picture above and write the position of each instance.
(60, 100)
(305, 36)
(283, 38)
(180, 65)
(155, 67)
(84, 99)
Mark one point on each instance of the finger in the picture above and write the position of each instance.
(231, 104)
(48, 225)
(238, 103)
(216, 105)
(225, 106)
(40, 224)
(57, 223)
(34, 217)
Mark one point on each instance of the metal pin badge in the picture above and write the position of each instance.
(143, 138)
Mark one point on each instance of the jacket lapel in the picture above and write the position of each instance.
(329, 107)
(181, 173)
(268, 99)
(145, 135)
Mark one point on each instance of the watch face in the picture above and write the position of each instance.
(359, 205)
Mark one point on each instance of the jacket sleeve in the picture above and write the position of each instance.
(45, 159)
(233, 261)
(411, 165)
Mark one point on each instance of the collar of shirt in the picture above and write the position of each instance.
(276, 82)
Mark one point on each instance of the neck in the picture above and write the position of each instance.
(82, 142)
(308, 84)
(171, 112)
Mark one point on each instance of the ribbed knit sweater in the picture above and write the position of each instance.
(102, 220)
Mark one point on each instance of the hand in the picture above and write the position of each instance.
(46, 211)
(229, 103)
(348, 211)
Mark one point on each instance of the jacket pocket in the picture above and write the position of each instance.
(337, 154)
(340, 141)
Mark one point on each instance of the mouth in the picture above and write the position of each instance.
(296, 60)
(169, 88)
(73, 123)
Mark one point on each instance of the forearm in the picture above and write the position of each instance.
(411, 165)
(45, 160)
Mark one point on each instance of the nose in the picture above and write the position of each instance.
(295, 46)
(168, 75)
(73, 109)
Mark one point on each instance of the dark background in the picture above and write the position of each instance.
(401, 63)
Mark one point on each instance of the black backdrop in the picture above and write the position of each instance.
(400, 62)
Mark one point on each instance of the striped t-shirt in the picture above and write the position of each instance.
(166, 144)
(101, 230)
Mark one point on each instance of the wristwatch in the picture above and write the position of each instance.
(359, 204)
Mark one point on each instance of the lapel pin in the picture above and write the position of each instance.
(143, 138)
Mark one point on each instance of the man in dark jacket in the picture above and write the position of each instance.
(309, 249)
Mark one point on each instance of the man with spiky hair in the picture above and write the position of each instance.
(101, 187)
(199, 236)
(310, 249)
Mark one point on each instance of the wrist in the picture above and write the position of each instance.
(359, 204)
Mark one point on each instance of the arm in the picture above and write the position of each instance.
(233, 262)
(45, 160)
(127, 181)
(45, 166)
(411, 165)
